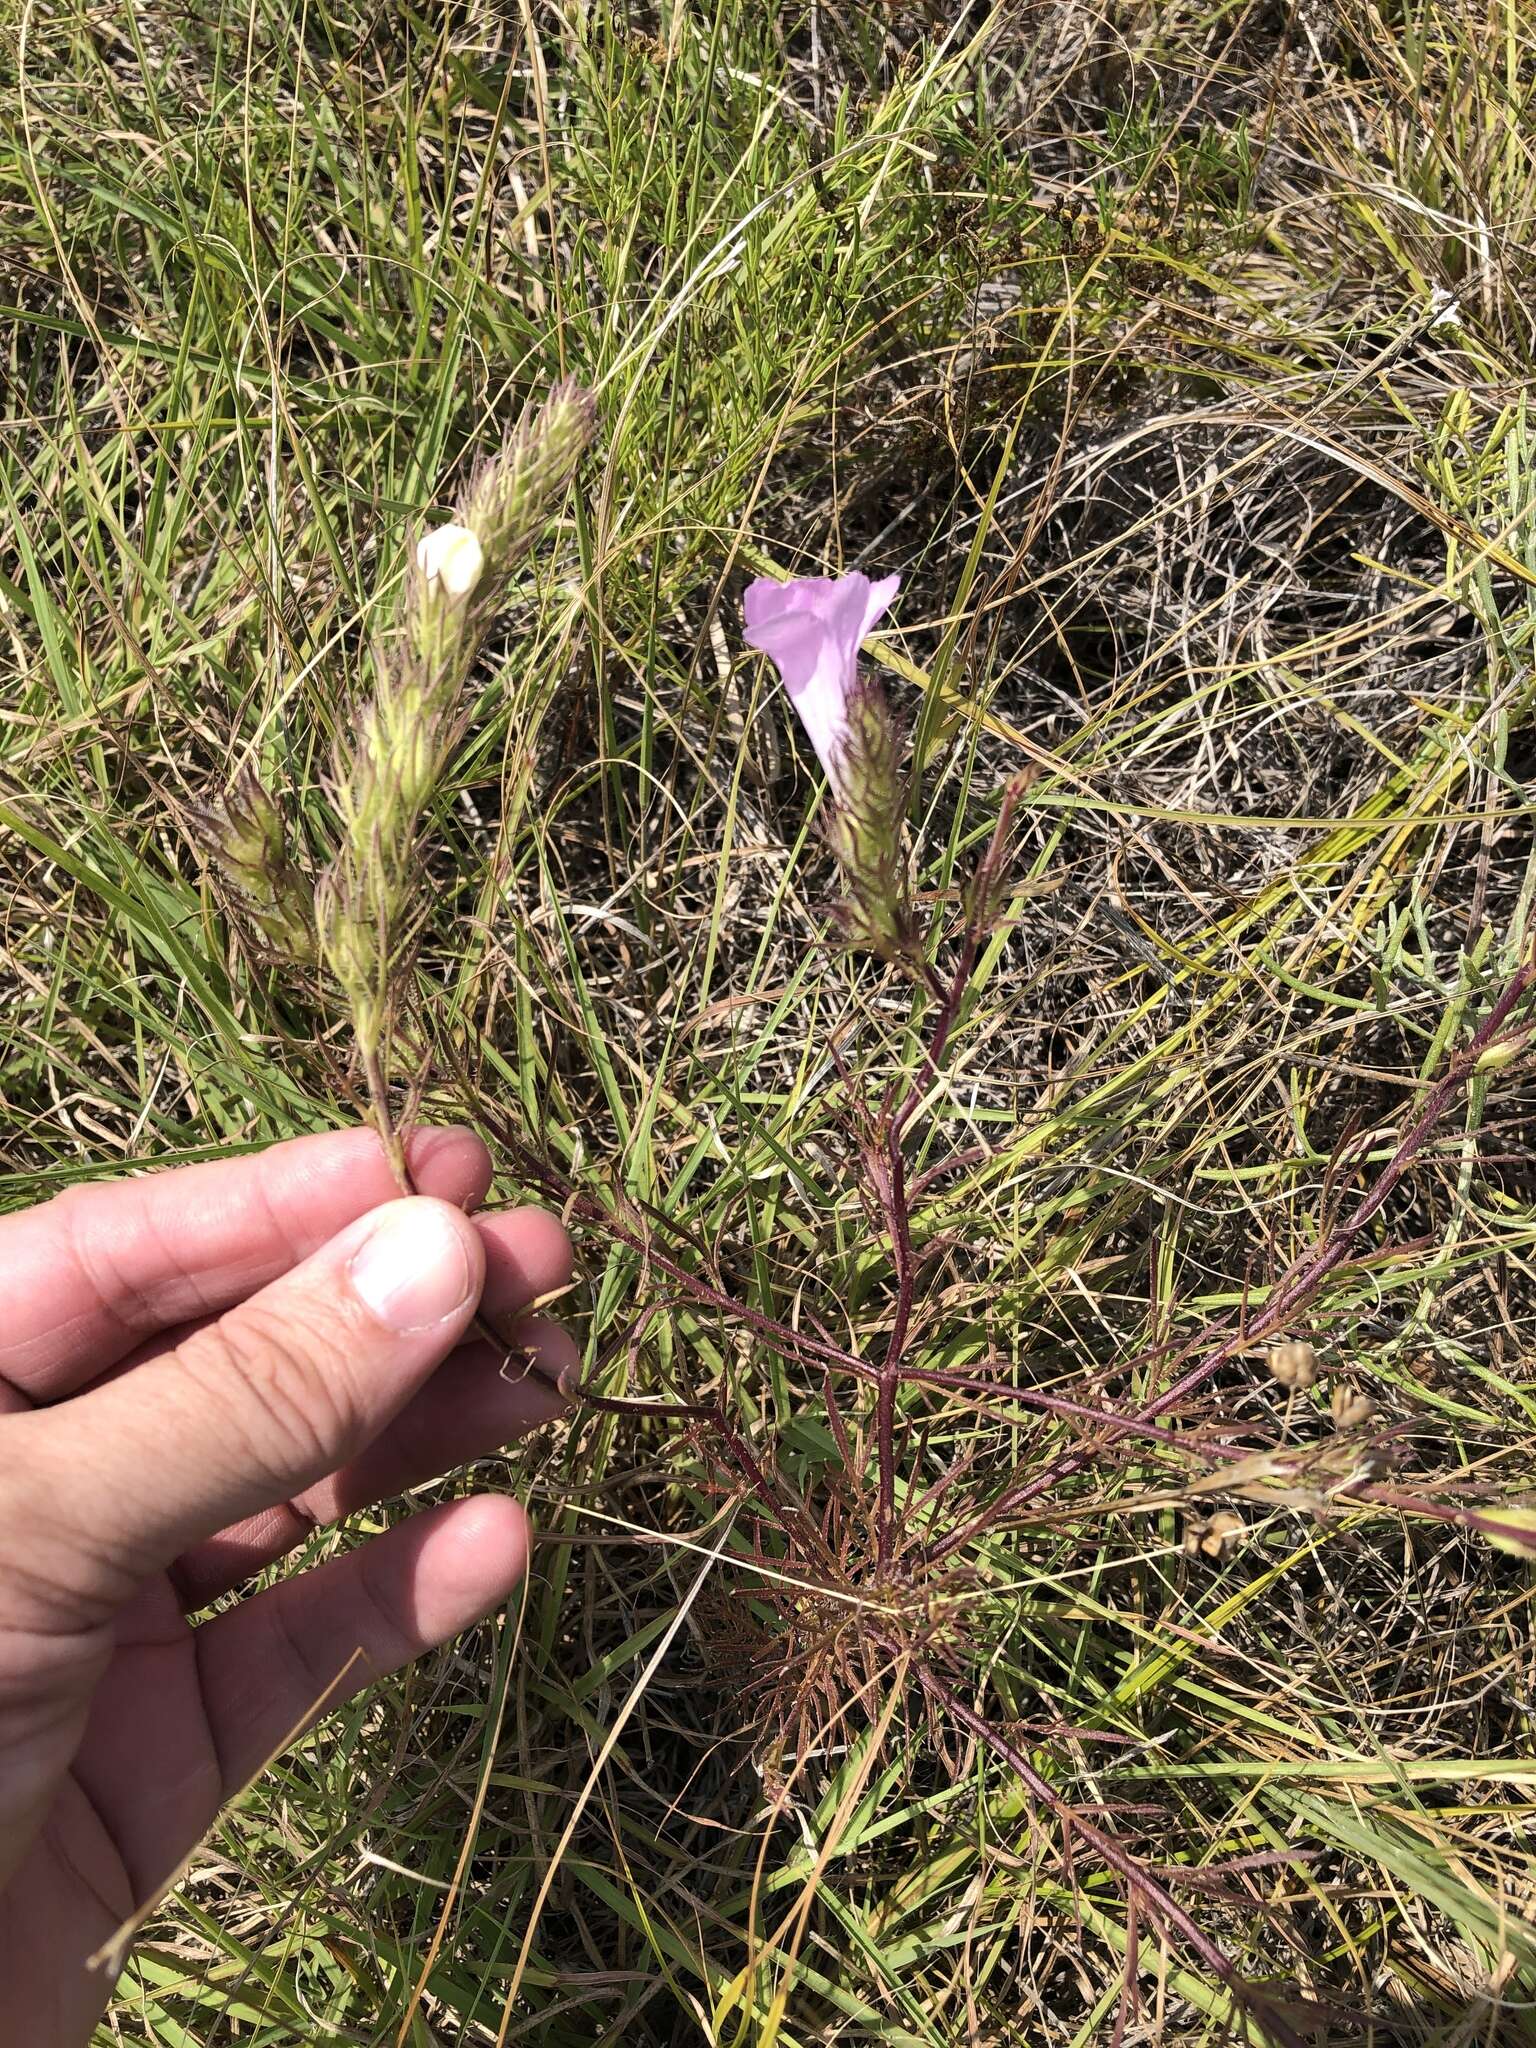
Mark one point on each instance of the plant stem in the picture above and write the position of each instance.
(891, 1183)
(394, 1151)
(890, 1178)
(556, 1188)
(383, 1118)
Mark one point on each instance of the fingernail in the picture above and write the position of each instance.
(411, 1271)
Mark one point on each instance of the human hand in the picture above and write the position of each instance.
(195, 1368)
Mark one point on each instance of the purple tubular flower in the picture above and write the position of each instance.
(811, 628)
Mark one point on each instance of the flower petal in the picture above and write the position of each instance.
(877, 602)
(810, 628)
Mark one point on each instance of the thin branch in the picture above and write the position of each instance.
(1296, 1285)
(1154, 1897)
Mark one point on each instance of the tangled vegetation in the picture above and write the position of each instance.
(1040, 1553)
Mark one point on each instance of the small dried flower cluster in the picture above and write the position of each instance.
(1293, 1364)
(1214, 1536)
(1350, 1408)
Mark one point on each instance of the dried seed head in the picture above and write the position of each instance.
(350, 945)
(1351, 1409)
(392, 757)
(243, 838)
(460, 570)
(1215, 1536)
(1293, 1364)
(452, 557)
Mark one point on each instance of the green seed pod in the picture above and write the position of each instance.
(1503, 1052)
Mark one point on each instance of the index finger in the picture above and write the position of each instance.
(102, 1267)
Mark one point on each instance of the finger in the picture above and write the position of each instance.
(467, 1410)
(94, 1272)
(251, 1409)
(271, 1664)
(528, 1259)
(476, 1410)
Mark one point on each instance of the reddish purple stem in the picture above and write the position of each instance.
(890, 1171)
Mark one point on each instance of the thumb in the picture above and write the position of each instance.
(254, 1407)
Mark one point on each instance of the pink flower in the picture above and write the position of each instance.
(810, 628)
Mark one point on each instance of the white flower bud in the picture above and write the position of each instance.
(452, 557)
